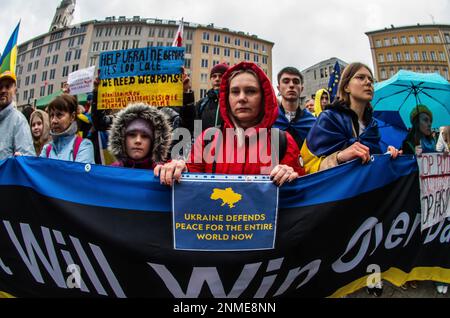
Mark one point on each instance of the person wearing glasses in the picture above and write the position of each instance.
(346, 130)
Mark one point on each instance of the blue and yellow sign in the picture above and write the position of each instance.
(224, 213)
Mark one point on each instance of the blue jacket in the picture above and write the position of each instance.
(298, 127)
(15, 134)
(63, 145)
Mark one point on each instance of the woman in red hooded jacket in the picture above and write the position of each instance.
(249, 108)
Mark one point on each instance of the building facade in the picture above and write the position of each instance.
(44, 63)
(317, 76)
(419, 48)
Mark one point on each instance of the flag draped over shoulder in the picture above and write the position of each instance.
(333, 84)
(178, 40)
(9, 56)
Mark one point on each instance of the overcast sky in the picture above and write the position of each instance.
(304, 32)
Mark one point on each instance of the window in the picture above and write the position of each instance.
(108, 31)
(27, 81)
(151, 33)
(50, 48)
(399, 56)
(381, 58)
(81, 40)
(30, 66)
(436, 39)
(105, 46)
(256, 58)
(118, 31)
(205, 36)
(264, 48)
(424, 56)
(32, 54)
(58, 46)
(387, 42)
(187, 63)
(52, 74)
(433, 56)
(99, 32)
(215, 62)
(55, 59)
(68, 56)
(138, 31)
(160, 44)
(226, 52)
(391, 72)
(264, 59)
(189, 35)
(36, 65)
(216, 38)
(389, 57)
(47, 61)
(227, 39)
(32, 93)
(442, 56)
(128, 30)
(446, 73)
(420, 39)
(65, 71)
(322, 75)
(20, 70)
(150, 43)
(204, 63)
(50, 89)
(168, 43)
(71, 42)
(188, 48)
(115, 45)
(92, 62)
(205, 49)
(204, 78)
(203, 93)
(428, 39)
(216, 51)
(237, 54)
(33, 79)
(404, 40)
(161, 33)
(77, 54)
(25, 95)
(136, 44)
(447, 37)
(247, 56)
(416, 56)
(247, 44)
(23, 57)
(38, 51)
(412, 39)
(44, 76)
(407, 56)
(378, 43)
(256, 46)
(237, 42)
(395, 41)
(42, 91)
(75, 68)
(171, 33)
(125, 45)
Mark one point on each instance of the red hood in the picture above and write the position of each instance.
(269, 99)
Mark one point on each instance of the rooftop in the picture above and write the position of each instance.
(409, 27)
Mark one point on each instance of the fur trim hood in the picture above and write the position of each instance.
(156, 118)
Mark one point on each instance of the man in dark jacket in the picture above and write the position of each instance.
(207, 109)
(292, 118)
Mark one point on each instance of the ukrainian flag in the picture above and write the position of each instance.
(9, 56)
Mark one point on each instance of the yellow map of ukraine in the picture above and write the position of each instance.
(228, 196)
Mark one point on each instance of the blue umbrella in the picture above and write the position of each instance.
(391, 135)
(395, 98)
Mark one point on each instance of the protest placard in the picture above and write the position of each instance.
(224, 213)
(81, 81)
(434, 169)
(151, 75)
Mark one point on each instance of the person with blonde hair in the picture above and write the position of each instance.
(40, 130)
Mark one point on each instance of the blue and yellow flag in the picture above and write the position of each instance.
(333, 84)
(9, 56)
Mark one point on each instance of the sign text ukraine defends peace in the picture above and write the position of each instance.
(150, 75)
(224, 215)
